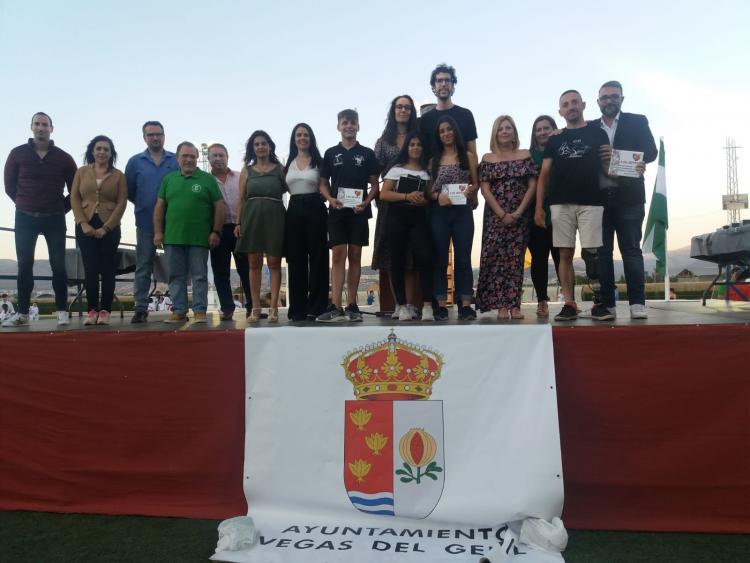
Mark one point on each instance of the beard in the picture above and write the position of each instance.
(610, 110)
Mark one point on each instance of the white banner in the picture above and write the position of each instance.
(408, 443)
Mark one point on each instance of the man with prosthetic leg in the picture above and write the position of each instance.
(572, 165)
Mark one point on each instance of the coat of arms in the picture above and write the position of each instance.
(394, 462)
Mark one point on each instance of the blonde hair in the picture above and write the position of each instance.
(496, 125)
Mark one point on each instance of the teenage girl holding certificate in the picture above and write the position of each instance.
(406, 224)
(451, 219)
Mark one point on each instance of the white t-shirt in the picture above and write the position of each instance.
(397, 171)
(7, 302)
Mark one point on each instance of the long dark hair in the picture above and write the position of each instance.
(315, 158)
(391, 127)
(438, 148)
(403, 155)
(89, 157)
(250, 152)
(533, 144)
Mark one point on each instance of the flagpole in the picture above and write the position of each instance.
(666, 249)
(666, 269)
(657, 222)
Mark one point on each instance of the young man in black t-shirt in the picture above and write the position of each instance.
(573, 161)
(347, 169)
(443, 82)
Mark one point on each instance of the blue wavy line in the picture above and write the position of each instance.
(379, 512)
(372, 502)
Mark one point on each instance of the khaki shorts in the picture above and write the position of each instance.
(567, 217)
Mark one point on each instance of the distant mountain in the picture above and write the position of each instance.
(678, 260)
(10, 268)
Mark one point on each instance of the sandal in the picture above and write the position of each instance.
(254, 316)
(542, 310)
(516, 314)
(502, 314)
(273, 315)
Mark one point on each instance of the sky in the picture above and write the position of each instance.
(216, 71)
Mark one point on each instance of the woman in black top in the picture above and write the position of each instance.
(540, 242)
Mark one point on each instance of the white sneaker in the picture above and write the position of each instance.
(63, 318)
(638, 311)
(396, 312)
(17, 319)
(427, 313)
(405, 313)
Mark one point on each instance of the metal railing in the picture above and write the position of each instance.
(78, 282)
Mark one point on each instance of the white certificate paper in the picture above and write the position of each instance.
(623, 163)
(455, 193)
(350, 197)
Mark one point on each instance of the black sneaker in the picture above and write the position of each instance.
(352, 312)
(601, 313)
(467, 314)
(139, 317)
(441, 314)
(332, 315)
(568, 313)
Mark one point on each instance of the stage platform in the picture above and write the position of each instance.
(149, 419)
(675, 312)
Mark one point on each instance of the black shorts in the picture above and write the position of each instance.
(346, 227)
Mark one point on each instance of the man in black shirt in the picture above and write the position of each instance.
(347, 169)
(443, 82)
(573, 161)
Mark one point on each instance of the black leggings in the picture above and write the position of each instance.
(540, 246)
(406, 228)
(99, 259)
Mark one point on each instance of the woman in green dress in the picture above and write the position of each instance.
(261, 211)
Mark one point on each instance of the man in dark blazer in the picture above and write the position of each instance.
(625, 206)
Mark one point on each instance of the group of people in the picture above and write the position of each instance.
(431, 177)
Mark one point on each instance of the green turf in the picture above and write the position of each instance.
(33, 537)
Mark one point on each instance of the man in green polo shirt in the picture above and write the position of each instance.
(193, 205)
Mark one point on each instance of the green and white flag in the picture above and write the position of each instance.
(655, 237)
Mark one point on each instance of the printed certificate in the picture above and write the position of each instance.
(455, 193)
(350, 197)
(623, 163)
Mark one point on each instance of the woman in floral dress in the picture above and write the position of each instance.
(507, 178)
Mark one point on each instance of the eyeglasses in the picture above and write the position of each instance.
(610, 98)
(402, 107)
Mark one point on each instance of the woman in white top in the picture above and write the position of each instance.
(306, 230)
(404, 189)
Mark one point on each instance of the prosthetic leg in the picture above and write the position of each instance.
(590, 257)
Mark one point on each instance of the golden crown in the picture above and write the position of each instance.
(392, 369)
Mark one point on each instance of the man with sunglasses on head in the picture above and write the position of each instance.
(144, 174)
(625, 200)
